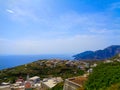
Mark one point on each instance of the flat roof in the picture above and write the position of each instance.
(50, 83)
(35, 77)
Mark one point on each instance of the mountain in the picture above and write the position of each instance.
(99, 54)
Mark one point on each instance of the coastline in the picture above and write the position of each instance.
(9, 61)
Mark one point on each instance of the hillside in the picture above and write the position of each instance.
(42, 68)
(106, 76)
(99, 54)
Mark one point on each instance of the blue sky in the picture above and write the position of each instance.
(58, 26)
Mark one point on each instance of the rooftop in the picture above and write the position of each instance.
(35, 77)
(52, 82)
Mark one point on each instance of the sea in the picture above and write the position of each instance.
(9, 61)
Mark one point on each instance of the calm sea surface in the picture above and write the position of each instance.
(8, 61)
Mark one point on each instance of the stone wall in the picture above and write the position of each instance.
(69, 85)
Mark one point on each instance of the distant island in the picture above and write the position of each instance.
(99, 54)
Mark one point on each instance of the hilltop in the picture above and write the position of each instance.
(99, 54)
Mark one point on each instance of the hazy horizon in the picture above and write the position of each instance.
(30, 27)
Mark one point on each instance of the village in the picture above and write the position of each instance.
(36, 83)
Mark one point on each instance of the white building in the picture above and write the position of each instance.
(35, 79)
(50, 83)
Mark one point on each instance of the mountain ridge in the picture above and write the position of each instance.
(99, 54)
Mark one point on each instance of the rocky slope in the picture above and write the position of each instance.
(99, 54)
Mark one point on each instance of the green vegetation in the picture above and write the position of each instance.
(103, 76)
(114, 87)
(40, 68)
